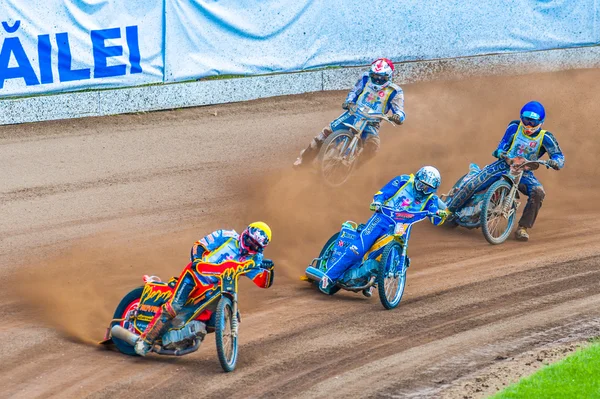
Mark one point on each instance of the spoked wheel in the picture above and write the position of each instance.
(495, 224)
(126, 311)
(226, 334)
(391, 278)
(336, 159)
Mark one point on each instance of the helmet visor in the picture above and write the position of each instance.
(423, 187)
(251, 243)
(531, 122)
(378, 79)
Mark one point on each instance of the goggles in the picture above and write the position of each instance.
(423, 188)
(530, 122)
(378, 79)
(252, 244)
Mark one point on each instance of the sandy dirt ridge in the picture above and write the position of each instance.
(89, 206)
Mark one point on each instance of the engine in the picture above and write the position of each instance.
(185, 336)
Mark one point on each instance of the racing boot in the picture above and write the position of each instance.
(368, 292)
(307, 155)
(521, 234)
(155, 329)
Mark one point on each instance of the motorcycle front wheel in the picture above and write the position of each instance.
(334, 158)
(226, 334)
(391, 278)
(494, 225)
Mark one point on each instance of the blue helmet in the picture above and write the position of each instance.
(427, 180)
(532, 116)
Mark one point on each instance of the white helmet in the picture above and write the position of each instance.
(381, 73)
(427, 180)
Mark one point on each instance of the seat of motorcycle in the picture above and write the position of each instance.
(360, 227)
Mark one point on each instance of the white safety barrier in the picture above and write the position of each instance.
(167, 96)
(249, 37)
(51, 46)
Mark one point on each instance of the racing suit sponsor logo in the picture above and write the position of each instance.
(229, 234)
(404, 215)
(372, 225)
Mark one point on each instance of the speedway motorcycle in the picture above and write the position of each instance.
(493, 209)
(383, 266)
(340, 151)
(218, 315)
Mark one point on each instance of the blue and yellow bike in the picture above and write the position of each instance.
(383, 266)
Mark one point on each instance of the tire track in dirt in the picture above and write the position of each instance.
(466, 302)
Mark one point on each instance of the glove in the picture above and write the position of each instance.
(396, 119)
(443, 213)
(375, 206)
(345, 105)
(499, 154)
(267, 264)
(553, 164)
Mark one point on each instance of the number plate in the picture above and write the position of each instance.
(400, 229)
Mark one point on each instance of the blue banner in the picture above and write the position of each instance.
(56, 45)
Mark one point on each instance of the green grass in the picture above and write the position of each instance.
(577, 376)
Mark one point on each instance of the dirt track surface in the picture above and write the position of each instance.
(89, 206)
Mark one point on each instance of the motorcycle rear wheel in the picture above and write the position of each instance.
(227, 343)
(128, 304)
(333, 171)
(493, 230)
(391, 288)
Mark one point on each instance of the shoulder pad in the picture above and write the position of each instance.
(515, 122)
(229, 234)
(396, 87)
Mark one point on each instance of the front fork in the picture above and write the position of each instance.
(234, 317)
(507, 208)
(351, 149)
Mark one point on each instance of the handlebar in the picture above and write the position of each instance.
(418, 213)
(512, 162)
(354, 109)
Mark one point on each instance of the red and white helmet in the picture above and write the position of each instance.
(381, 73)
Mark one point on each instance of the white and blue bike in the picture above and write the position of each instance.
(382, 267)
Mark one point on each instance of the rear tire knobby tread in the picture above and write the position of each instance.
(127, 300)
(225, 305)
(381, 277)
(484, 214)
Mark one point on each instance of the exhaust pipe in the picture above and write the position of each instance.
(123, 334)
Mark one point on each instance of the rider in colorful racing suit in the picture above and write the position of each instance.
(407, 192)
(215, 248)
(374, 90)
(524, 138)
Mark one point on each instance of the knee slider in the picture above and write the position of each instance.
(538, 193)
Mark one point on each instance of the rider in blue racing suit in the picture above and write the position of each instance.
(374, 90)
(407, 192)
(524, 138)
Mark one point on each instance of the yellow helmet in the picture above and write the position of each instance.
(256, 237)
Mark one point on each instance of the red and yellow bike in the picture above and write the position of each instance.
(212, 310)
